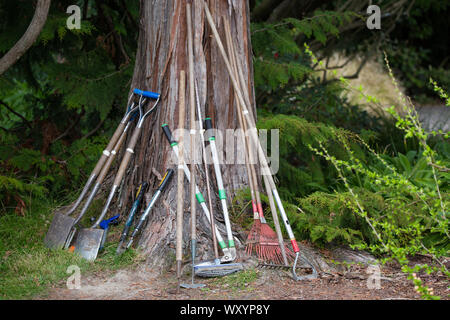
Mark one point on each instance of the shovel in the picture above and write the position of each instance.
(88, 240)
(97, 186)
(62, 223)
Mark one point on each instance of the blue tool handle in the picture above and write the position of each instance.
(148, 94)
(105, 223)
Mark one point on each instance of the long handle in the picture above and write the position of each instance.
(180, 177)
(103, 174)
(193, 128)
(162, 186)
(139, 195)
(252, 125)
(126, 158)
(199, 195)
(222, 192)
(249, 160)
(123, 166)
(105, 155)
(252, 175)
(205, 165)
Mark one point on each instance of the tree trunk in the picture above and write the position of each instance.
(161, 54)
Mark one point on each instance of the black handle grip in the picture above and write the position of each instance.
(166, 180)
(208, 124)
(168, 134)
(208, 128)
(141, 191)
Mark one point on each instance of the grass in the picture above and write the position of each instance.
(239, 280)
(28, 268)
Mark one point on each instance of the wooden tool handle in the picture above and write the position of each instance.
(106, 153)
(127, 157)
(193, 200)
(180, 177)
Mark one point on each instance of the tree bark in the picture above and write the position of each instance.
(161, 54)
(28, 38)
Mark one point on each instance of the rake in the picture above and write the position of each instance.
(252, 124)
(261, 238)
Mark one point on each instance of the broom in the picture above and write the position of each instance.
(261, 239)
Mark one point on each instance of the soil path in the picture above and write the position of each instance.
(355, 283)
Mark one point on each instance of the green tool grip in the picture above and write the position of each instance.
(222, 194)
(200, 198)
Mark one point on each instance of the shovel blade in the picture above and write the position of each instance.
(59, 231)
(88, 243)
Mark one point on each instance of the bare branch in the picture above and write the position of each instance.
(28, 38)
(17, 114)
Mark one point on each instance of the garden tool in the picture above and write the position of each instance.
(192, 285)
(134, 208)
(221, 188)
(62, 223)
(105, 226)
(218, 267)
(262, 239)
(88, 240)
(180, 176)
(254, 137)
(97, 186)
(161, 187)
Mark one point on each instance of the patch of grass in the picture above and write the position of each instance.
(239, 280)
(28, 268)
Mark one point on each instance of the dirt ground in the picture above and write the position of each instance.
(263, 284)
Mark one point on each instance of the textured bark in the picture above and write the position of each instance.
(28, 38)
(161, 54)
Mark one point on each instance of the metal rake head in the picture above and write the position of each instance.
(292, 268)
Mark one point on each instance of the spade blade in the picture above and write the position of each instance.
(59, 231)
(88, 243)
